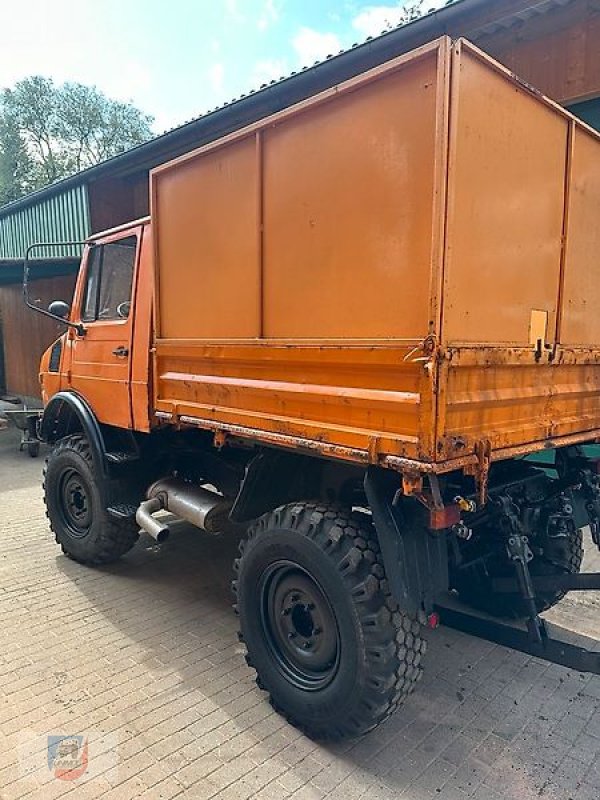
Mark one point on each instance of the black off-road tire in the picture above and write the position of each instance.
(476, 589)
(316, 572)
(33, 449)
(81, 525)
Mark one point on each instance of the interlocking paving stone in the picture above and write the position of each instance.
(146, 650)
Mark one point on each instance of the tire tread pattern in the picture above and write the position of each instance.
(393, 643)
(115, 538)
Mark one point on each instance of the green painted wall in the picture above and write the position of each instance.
(62, 217)
(588, 111)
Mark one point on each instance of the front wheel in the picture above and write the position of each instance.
(82, 526)
(33, 449)
(321, 628)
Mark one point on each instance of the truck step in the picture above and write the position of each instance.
(121, 457)
(122, 511)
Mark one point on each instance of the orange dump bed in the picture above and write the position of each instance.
(403, 267)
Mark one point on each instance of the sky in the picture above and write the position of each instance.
(177, 59)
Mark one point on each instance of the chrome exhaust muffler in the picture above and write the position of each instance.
(201, 507)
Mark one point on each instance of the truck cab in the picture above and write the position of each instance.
(104, 355)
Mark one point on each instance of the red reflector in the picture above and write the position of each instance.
(444, 517)
(433, 620)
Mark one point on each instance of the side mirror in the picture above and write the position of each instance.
(59, 309)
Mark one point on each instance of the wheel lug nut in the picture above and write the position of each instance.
(292, 635)
(295, 598)
(285, 612)
(310, 607)
(307, 645)
(317, 631)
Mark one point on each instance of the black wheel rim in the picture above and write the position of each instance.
(299, 626)
(75, 503)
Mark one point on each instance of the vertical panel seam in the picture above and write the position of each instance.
(570, 144)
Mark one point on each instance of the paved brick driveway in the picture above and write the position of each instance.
(146, 652)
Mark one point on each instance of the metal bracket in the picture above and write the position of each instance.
(519, 553)
(570, 582)
(483, 451)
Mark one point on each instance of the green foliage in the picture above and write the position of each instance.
(48, 132)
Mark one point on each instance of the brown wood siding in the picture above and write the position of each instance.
(114, 201)
(557, 52)
(26, 334)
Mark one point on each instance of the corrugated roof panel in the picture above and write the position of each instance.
(59, 217)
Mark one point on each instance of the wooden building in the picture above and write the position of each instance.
(552, 44)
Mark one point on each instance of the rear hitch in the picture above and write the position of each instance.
(519, 554)
(555, 644)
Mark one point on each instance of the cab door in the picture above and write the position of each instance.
(100, 365)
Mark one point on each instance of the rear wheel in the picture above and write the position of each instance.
(321, 629)
(74, 506)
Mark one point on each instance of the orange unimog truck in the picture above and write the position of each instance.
(341, 331)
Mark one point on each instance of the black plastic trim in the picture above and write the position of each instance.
(415, 558)
(57, 422)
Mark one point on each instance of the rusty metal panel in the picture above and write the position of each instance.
(348, 211)
(506, 203)
(522, 362)
(317, 288)
(580, 321)
(374, 399)
(207, 244)
(504, 396)
(298, 267)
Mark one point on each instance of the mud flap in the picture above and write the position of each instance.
(415, 558)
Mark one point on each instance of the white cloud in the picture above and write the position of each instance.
(269, 15)
(311, 45)
(232, 8)
(268, 70)
(216, 76)
(374, 19)
(133, 81)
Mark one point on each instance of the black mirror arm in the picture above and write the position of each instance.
(76, 325)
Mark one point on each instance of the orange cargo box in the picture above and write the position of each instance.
(401, 270)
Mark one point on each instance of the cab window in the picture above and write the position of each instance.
(107, 294)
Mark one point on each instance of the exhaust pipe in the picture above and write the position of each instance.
(143, 517)
(201, 507)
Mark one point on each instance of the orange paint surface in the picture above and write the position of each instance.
(366, 274)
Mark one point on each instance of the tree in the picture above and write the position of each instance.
(48, 132)
(16, 165)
